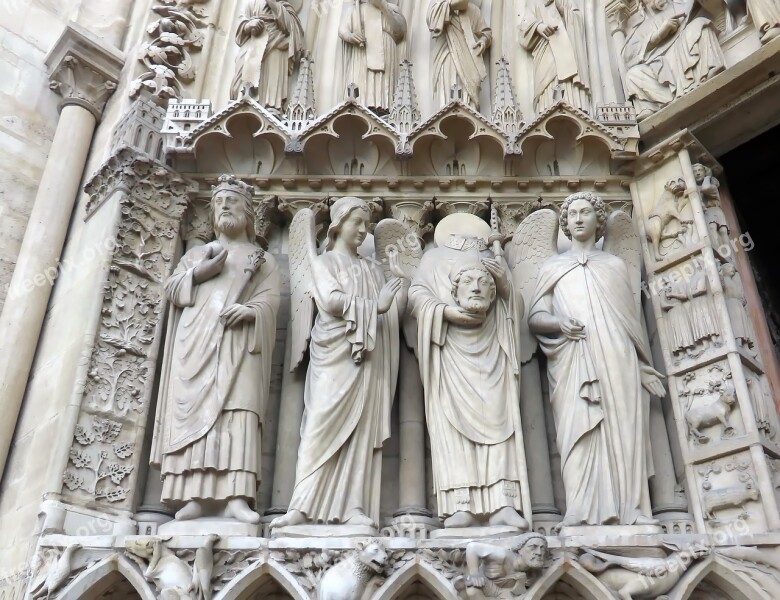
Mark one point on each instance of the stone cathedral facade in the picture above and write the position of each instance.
(389, 299)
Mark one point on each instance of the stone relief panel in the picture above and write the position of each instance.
(710, 405)
(729, 493)
(116, 393)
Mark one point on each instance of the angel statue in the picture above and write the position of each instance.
(585, 310)
(353, 365)
(462, 298)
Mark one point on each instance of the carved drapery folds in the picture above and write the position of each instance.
(168, 53)
(104, 457)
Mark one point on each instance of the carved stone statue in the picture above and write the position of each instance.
(464, 305)
(371, 33)
(670, 223)
(270, 35)
(554, 32)
(213, 392)
(353, 366)
(701, 308)
(667, 53)
(460, 38)
(673, 298)
(737, 308)
(717, 225)
(586, 314)
(766, 17)
(497, 572)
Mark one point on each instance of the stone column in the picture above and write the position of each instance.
(84, 71)
(545, 513)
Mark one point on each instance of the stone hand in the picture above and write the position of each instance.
(212, 264)
(235, 314)
(546, 30)
(458, 316)
(573, 329)
(673, 24)
(388, 293)
(476, 581)
(357, 39)
(395, 265)
(652, 381)
(479, 47)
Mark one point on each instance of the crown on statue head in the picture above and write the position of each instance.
(229, 182)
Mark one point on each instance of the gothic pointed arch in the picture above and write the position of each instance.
(265, 580)
(714, 579)
(568, 580)
(243, 138)
(416, 580)
(109, 572)
(564, 141)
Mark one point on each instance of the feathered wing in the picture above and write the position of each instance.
(535, 240)
(622, 240)
(303, 248)
(392, 236)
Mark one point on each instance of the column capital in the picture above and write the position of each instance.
(83, 69)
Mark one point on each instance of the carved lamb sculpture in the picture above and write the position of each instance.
(350, 579)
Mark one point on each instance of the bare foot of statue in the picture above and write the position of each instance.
(567, 522)
(643, 520)
(510, 517)
(358, 519)
(192, 510)
(238, 508)
(292, 518)
(460, 519)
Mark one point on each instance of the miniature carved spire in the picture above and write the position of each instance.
(405, 114)
(506, 112)
(302, 107)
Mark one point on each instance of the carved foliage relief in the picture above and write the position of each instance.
(117, 388)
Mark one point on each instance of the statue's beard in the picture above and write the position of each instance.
(478, 306)
(229, 225)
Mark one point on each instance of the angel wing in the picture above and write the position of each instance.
(535, 240)
(392, 236)
(621, 239)
(303, 248)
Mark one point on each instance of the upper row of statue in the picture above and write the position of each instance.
(462, 305)
(668, 47)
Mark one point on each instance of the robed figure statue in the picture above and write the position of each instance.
(464, 305)
(353, 366)
(585, 311)
(270, 36)
(460, 38)
(215, 384)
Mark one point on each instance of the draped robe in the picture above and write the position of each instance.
(214, 392)
(454, 61)
(347, 403)
(560, 60)
(267, 60)
(595, 387)
(658, 74)
(471, 380)
(374, 67)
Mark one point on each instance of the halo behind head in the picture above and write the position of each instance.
(464, 224)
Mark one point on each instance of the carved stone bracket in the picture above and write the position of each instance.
(83, 69)
(414, 214)
(175, 35)
(116, 394)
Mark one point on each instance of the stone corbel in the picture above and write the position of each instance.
(466, 205)
(83, 69)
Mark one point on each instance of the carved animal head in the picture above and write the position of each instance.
(675, 186)
(373, 555)
(142, 547)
